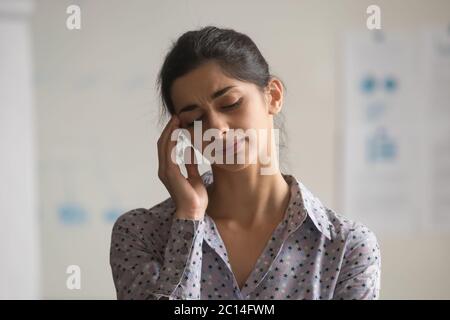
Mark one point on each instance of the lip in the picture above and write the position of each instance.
(235, 147)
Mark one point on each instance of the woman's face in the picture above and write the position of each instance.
(207, 95)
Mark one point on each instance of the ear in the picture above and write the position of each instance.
(274, 95)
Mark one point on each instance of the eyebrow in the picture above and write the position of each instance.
(215, 95)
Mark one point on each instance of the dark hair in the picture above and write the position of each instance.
(236, 54)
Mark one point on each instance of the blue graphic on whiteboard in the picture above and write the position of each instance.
(380, 147)
(368, 84)
(112, 214)
(390, 84)
(72, 214)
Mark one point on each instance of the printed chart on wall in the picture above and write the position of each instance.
(396, 132)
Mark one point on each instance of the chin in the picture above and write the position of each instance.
(231, 167)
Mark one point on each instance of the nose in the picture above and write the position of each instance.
(219, 122)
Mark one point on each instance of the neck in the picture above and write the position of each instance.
(246, 198)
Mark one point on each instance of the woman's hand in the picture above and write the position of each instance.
(189, 194)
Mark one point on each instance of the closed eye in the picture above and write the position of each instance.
(234, 105)
(230, 107)
(192, 123)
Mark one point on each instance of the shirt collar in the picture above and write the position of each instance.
(311, 205)
(302, 203)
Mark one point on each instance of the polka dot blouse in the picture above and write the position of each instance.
(313, 253)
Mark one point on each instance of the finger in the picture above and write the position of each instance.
(162, 141)
(191, 163)
(171, 164)
(171, 149)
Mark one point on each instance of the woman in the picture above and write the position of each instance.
(233, 232)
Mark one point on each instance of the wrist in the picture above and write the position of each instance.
(180, 214)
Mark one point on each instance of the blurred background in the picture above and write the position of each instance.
(367, 120)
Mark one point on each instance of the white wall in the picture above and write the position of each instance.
(97, 114)
(19, 242)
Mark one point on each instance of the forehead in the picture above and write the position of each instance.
(199, 84)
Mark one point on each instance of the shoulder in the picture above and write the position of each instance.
(337, 227)
(150, 224)
(143, 222)
(355, 237)
(347, 228)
